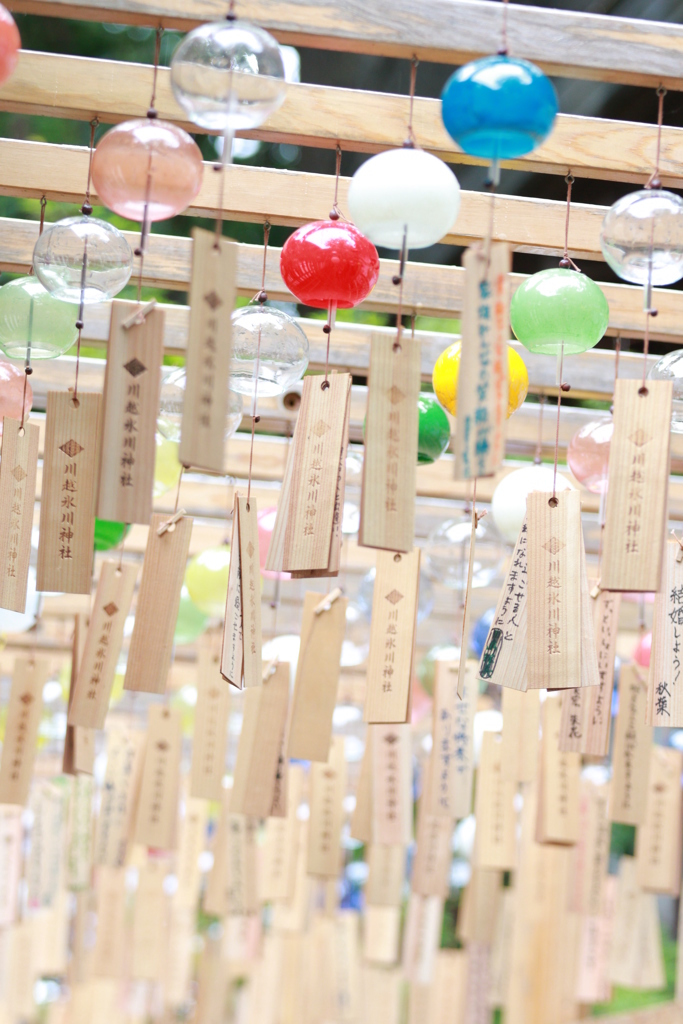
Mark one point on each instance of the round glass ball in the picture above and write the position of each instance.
(10, 41)
(642, 237)
(228, 76)
(447, 552)
(433, 429)
(147, 162)
(508, 505)
(282, 357)
(447, 371)
(498, 107)
(404, 191)
(670, 367)
(206, 579)
(329, 261)
(31, 318)
(588, 454)
(172, 397)
(559, 307)
(12, 397)
(109, 534)
(58, 260)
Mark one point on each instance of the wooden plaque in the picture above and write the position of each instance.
(132, 383)
(17, 498)
(387, 517)
(328, 786)
(638, 484)
(554, 604)
(209, 741)
(232, 652)
(433, 855)
(392, 781)
(209, 352)
(658, 840)
(558, 798)
(21, 729)
(392, 636)
(521, 724)
(665, 679)
(504, 657)
(250, 580)
(258, 754)
(452, 759)
(387, 872)
(163, 570)
(97, 666)
(317, 678)
(631, 756)
(482, 395)
(119, 797)
(157, 812)
(67, 503)
(496, 844)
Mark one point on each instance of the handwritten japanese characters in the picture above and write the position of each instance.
(119, 797)
(21, 729)
(209, 351)
(391, 428)
(241, 654)
(637, 486)
(452, 760)
(504, 657)
(324, 828)
(631, 755)
(665, 679)
(211, 725)
(17, 496)
(482, 395)
(658, 841)
(131, 403)
(554, 589)
(157, 812)
(67, 504)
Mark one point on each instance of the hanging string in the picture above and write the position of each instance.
(86, 210)
(538, 454)
(654, 181)
(151, 114)
(177, 493)
(28, 369)
(411, 141)
(261, 298)
(503, 50)
(566, 260)
(563, 387)
(335, 214)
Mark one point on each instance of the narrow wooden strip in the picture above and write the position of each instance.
(390, 459)
(658, 840)
(598, 702)
(209, 352)
(157, 812)
(265, 712)
(67, 503)
(637, 486)
(521, 722)
(327, 792)
(97, 666)
(452, 759)
(232, 650)
(665, 685)
(317, 679)
(250, 585)
(558, 801)
(433, 856)
(158, 601)
(119, 797)
(210, 737)
(632, 745)
(21, 729)
(571, 43)
(392, 818)
(496, 845)
(130, 408)
(17, 498)
(504, 657)
(554, 582)
(392, 636)
(387, 869)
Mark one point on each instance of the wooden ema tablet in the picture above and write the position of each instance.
(190, 847)
(452, 758)
(209, 352)
(387, 512)
(80, 833)
(554, 604)
(232, 653)
(11, 836)
(631, 754)
(658, 840)
(587, 713)
(422, 937)
(558, 796)
(78, 754)
(277, 871)
(521, 723)
(17, 498)
(592, 981)
(322, 434)
(482, 392)
(156, 612)
(210, 737)
(504, 657)
(120, 792)
(392, 636)
(149, 931)
(157, 811)
(449, 986)
(496, 844)
(67, 502)
(258, 753)
(97, 667)
(110, 943)
(392, 784)
(387, 872)
(467, 600)
(328, 786)
(592, 850)
(317, 677)
(21, 728)
(433, 854)
(636, 956)
(132, 382)
(361, 819)
(382, 934)
(250, 581)
(638, 484)
(231, 887)
(665, 679)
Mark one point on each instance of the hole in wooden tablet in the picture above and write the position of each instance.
(397, 557)
(553, 502)
(643, 391)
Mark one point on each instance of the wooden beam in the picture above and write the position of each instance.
(569, 43)
(314, 115)
(293, 198)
